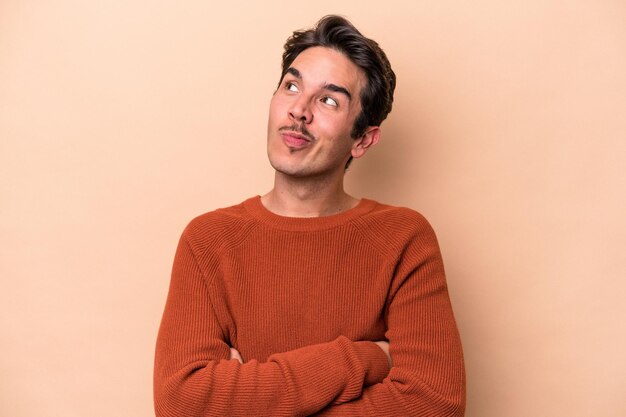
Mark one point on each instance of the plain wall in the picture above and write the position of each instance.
(122, 120)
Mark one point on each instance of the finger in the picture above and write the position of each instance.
(384, 345)
(234, 354)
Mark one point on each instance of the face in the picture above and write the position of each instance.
(312, 114)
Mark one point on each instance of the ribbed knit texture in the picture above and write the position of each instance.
(303, 299)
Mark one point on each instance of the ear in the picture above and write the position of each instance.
(362, 144)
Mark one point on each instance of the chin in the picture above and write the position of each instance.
(286, 168)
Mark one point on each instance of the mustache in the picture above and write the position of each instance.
(299, 129)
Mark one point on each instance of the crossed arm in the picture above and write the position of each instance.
(234, 353)
(384, 346)
(195, 376)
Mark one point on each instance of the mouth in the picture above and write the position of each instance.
(294, 139)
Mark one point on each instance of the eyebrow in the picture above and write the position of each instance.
(330, 87)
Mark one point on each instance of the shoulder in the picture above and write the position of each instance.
(395, 227)
(221, 228)
(396, 219)
(396, 216)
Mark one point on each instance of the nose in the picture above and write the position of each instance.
(300, 110)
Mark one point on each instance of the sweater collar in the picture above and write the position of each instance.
(255, 207)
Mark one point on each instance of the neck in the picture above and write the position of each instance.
(307, 197)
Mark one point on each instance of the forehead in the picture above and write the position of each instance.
(321, 65)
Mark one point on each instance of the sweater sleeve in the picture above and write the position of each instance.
(428, 376)
(193, 375)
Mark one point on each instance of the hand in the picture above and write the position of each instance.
(384, 345)
(234, 354)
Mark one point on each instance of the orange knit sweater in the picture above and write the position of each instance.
(303, 299)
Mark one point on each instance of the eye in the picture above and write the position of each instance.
(291, 87)
(330, 101)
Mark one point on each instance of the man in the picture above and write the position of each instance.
(308, 301)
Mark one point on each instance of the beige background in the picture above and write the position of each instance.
(122, 120)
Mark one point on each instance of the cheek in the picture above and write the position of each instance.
(272, 113)
(275, 109)
(279, 105)
(336, 129)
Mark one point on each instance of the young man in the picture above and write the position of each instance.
(308, 301)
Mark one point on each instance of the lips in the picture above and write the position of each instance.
(295, 140)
